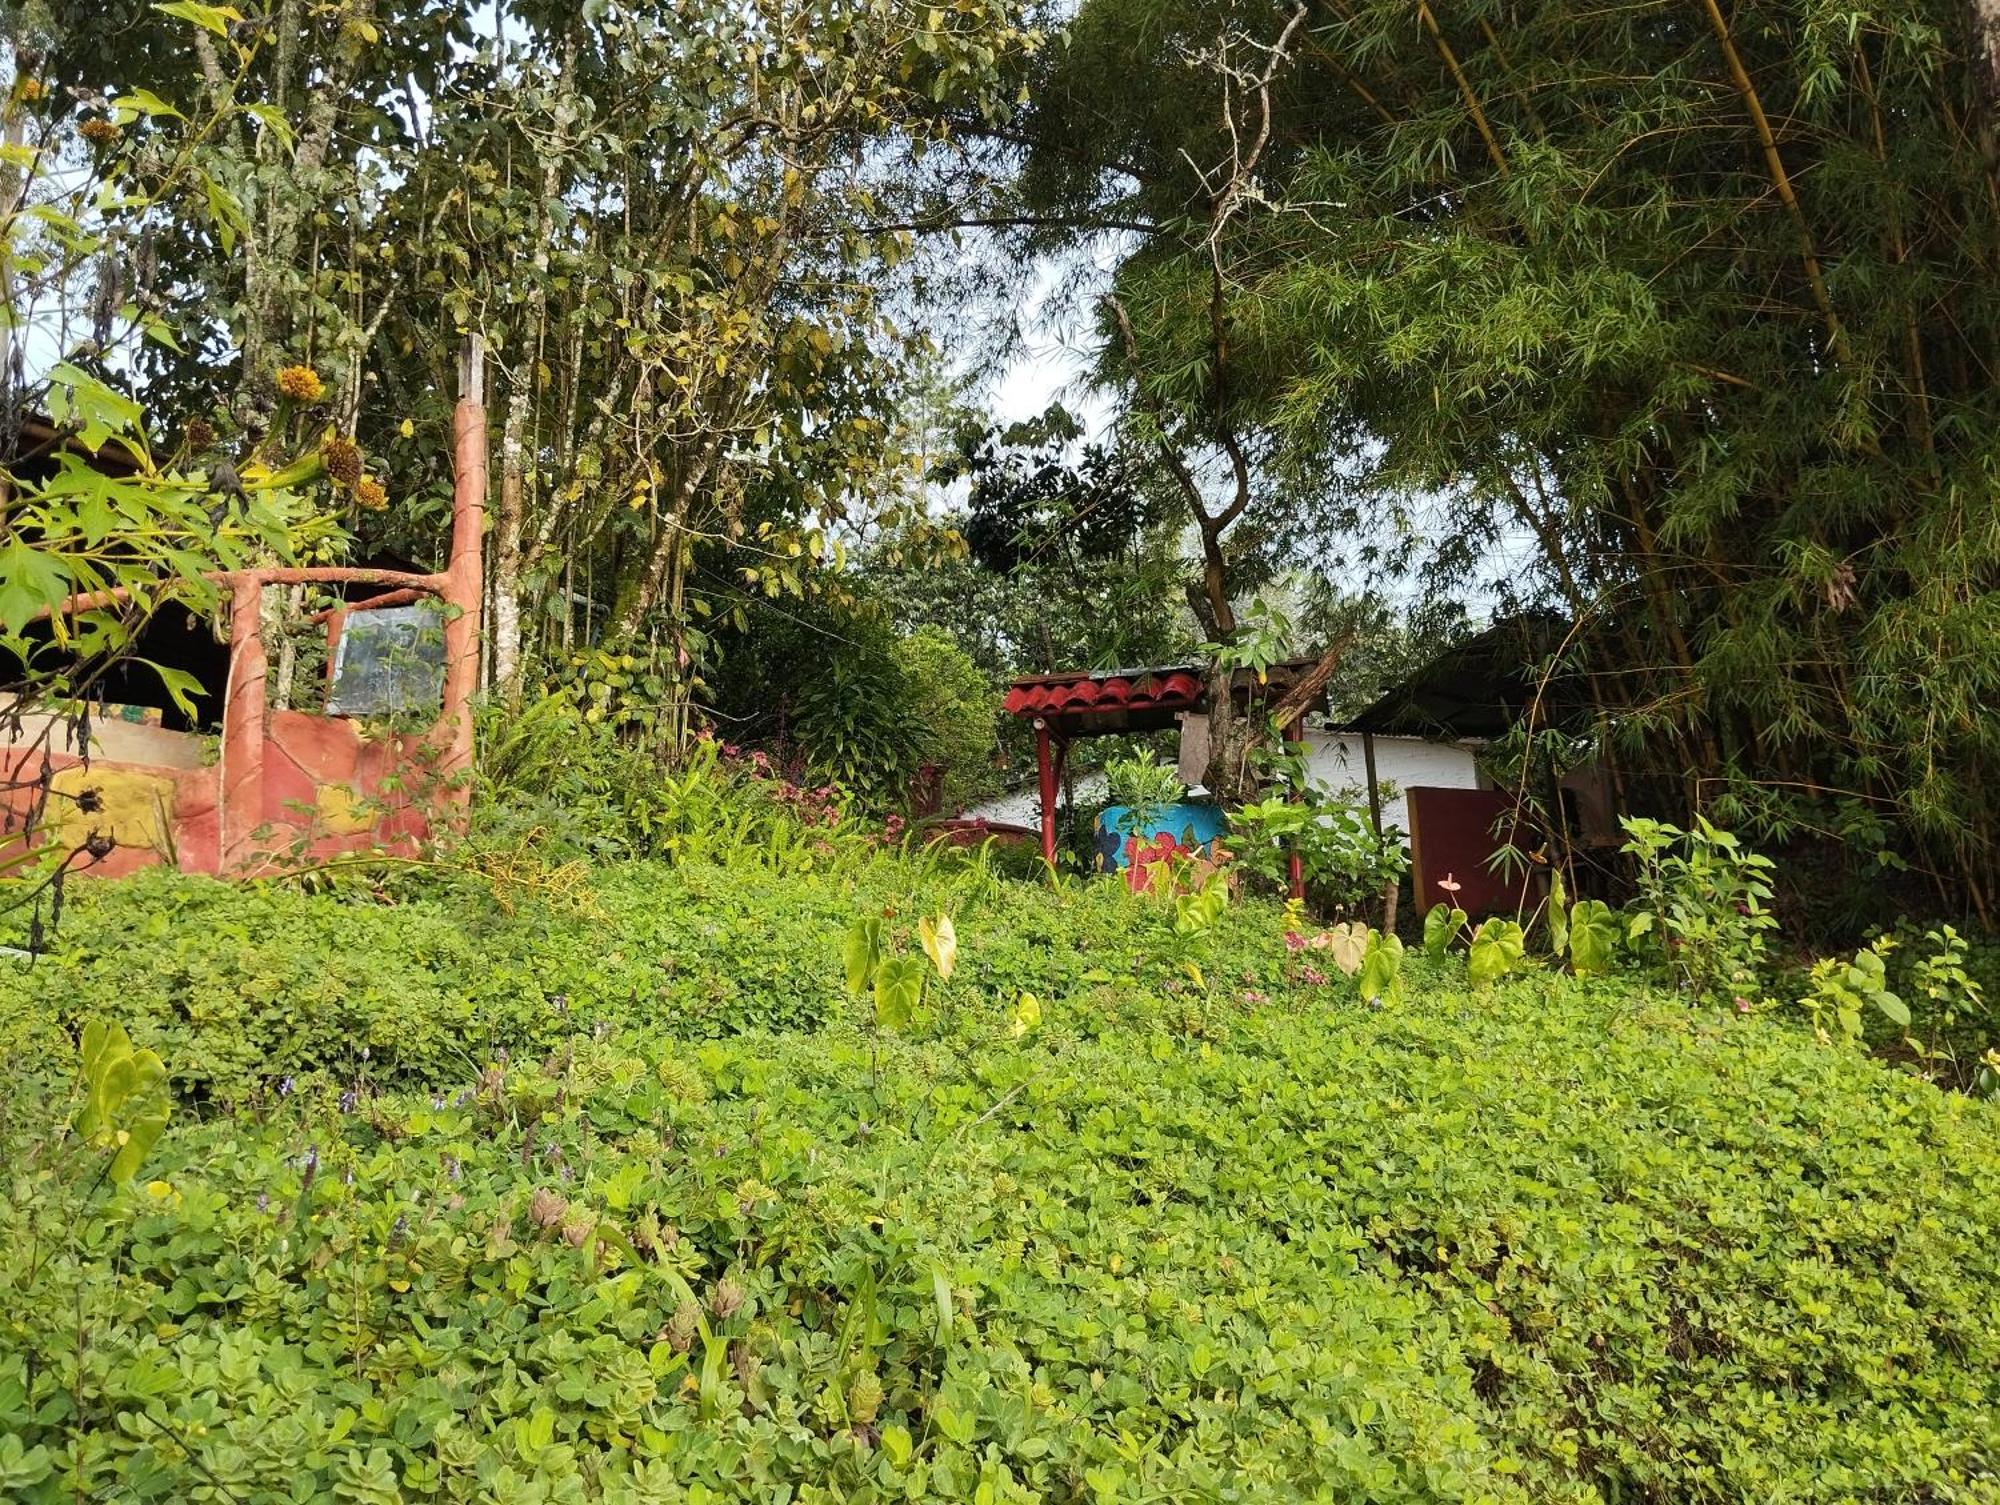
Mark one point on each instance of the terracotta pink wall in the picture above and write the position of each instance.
(321, 780)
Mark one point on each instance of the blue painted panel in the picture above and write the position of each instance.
(1190, 825)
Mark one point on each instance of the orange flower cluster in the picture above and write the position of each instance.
(301, 384)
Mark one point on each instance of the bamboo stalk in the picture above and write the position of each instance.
(1780, 179)
(1464, 87)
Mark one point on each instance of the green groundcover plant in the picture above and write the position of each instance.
(634, 1201)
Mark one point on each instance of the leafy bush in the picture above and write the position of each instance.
(876, 709)
(1346, 864)
(1703, 908)
(954, 716)
(1143, 785)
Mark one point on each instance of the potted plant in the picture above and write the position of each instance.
(1150, 816)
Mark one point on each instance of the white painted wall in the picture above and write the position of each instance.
(1335, 760)
(1332, 760)
(1023, 807)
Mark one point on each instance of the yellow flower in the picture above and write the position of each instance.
(369, 494)
(301, 384)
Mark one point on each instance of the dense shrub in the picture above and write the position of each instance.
(239, 986)
(1559, 1241)
(540, 1183)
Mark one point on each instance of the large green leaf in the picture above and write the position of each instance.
(1498, 947)
(861, 951)
(32, 581)
(1441, 927)
(1381, 976)
(126, 1104)
(899, 988)
(1593, 937)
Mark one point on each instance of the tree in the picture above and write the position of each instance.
(1699, 303)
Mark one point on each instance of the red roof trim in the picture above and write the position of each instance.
(1117, 690)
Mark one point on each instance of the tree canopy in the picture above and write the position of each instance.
(1696, 303)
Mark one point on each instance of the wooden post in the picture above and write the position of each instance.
(1295, 868)
(1375, 817)
(241, 784)
(1374, 792)
(1045, 766)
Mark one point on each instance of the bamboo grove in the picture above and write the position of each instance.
(1691, 305)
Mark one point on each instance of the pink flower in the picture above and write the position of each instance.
(1251, 995)
(1321, 941)
(1742, 1005)
(1294, 941)
(1313, 975)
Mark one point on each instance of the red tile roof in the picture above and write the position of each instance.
(1174, 689)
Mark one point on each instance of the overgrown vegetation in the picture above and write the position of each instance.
(795, 1161)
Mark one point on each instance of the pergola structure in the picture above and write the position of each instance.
(1065, 708)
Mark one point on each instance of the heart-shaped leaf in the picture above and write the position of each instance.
(1346, 945)
(1441, 928)
(1593, 937)
(899, 988)
(1498, 947)
(940, 941)
(862, 951)
(1382, 968)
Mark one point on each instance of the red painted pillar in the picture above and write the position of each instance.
(1046, 767)
(243, 732)
(1295, 736)
(464, 583)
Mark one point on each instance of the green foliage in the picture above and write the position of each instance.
(1843, 989)
(896, 982)
(1380, 976)
(1952, 1031)
(872, 711)
(1143, 785)
(1702, 913)
(627, 1264)
(1498, 947)
(125, 1098)
(1592, 937)
(1443, 924)
(953, 714)
(1345, 862)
